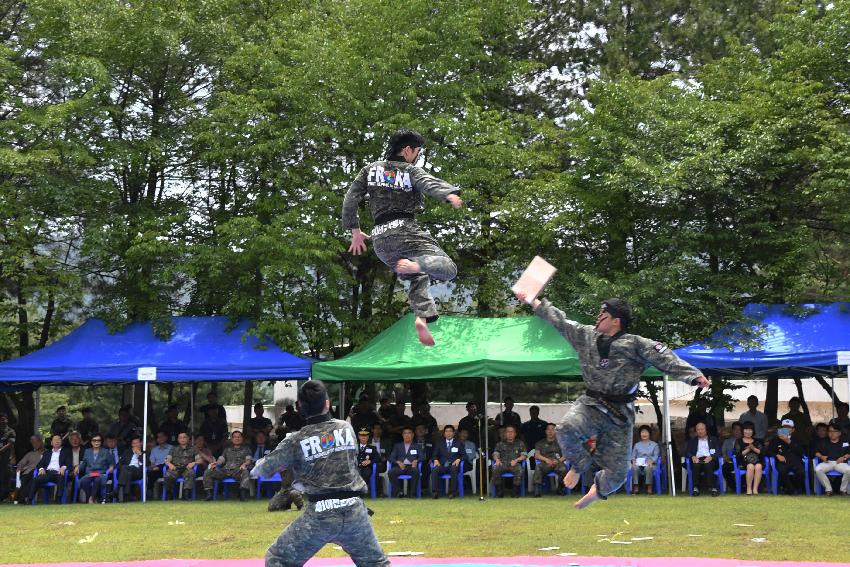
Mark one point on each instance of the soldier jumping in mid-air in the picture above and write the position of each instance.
(322, 456)
(395, 187)
(612, 362)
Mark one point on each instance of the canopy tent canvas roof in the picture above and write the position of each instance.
(199, 349)
(776, 340)
(524, 348)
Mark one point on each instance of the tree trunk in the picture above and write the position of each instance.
(825, 385)
(803, 405)
(771, 401)
(23, 323)
(247, 402)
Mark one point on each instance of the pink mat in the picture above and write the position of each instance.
(466, 562)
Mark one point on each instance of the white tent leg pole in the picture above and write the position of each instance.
(485, 485)
(36, 424)
(145, 446)
(668, 440)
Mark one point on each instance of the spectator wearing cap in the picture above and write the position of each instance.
(87, 426)
(212, 404)
(788, 455)
(7, 447)
(446, 459)
(802, 422)
(367, 455)
(834, 458)
(259, 422)
(172, 426)
(61, 424)
(757, 418)
(534, 429)
(704, 453)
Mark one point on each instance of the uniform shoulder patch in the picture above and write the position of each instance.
(660, 347)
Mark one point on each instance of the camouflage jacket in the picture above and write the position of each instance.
(629, 356)
(509, 451)
(7, 435)
(181, 457)
(322, 457)
(393, 188)
(549, 449)
(233, 458)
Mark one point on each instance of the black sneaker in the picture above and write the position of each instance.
(696, 491)
(715, 492)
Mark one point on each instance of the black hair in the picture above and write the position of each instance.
(734, 423)
(619, 309)
(311, 398)
(821, 424)
(449, 426)
(748, 425)
(834, 425)
(533, 408)
(406, 428)
(645, 426)
(110, 436)
(752, 397)
(402, 138)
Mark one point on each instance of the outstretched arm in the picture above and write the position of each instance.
(435, 187)
(664, 359)
(571, 330)
(350, 219)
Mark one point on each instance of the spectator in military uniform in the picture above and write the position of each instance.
(130, 469)
(472, 422)
(405, 457)
(508, 457)
(124, 429)
(179, 462)
(259, 422)
(534, 429)
(7, 448)
(207, 457)
(61, 425)
(446, 458)
(548, 455)
(87, 427)
(645, 458)
(214, 430)
(235, 462)
(158, 456)
(366, 455)
(788, 456)
(172, 426)
(212, 404)
(508, 416)
(26, 466)
(52, 466)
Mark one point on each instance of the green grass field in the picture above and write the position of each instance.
(796, 528)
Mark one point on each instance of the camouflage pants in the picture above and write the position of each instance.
(411, 243)
(171, 476)
(219, 473)
(542, 469)
(496, 480)
(613, 442)
(346, 526)
(284, 499)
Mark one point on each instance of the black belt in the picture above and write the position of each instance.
(615, 399)
(339, 494)
(387, 217)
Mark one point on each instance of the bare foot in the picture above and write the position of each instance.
(425, 336)
(588, 498)
(407, 267)
(571, 479)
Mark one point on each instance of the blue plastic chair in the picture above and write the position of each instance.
(656, 478)
(178, 485)
(445, 478)
(721, 485)
(225, 489)
(547, 486)
(739, 472)
(520, 480)
(267, 480)
(406, 477)
(774, 476)
(818, 487)
(60, 490)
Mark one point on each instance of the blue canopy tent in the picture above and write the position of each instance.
(198, 349)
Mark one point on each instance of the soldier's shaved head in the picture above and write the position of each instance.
(311, 398)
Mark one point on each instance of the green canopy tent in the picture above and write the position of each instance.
(512, 348)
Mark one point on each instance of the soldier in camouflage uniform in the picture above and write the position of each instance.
(7, 447)
(549, 458)
(612, 362)
(508, 456)
(323, 459)
(395, 187)
(235, 462)
(286, 496)
(179, 463)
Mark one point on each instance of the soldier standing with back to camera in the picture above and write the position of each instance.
(323, 458)
(612, 362)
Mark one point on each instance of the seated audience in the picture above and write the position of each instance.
(748, 452)
(158, 455)
(382, 445)
(727, 450)
(421, 438)
(7, 448)
(172, 426)
(405, 458)
(234, 462)
(819, 441)
(95, 467)
(836, 453)
(646, 457)
(470, 448)
(130, 470)
(446, 458)
(260, 447)
(508, 456)
(534, 429)
(547, 453)
(26, 466)
(703, 452)
(51, 468)
(110, 443)
(179, 463)
(207, 458)
(367, 455)
(788, 456)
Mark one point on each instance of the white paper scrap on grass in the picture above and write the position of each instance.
(534, 278)
(743, 525)
(548, 548)
(647, 538)
(567, 554)
(759, 540)
(388, 541)
(694, 535)
(621, 542)
(404, 553)
(88, 538)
